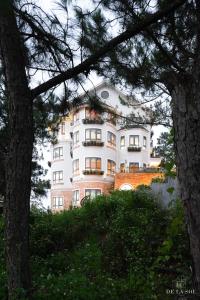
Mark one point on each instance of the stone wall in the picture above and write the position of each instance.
(167, 191)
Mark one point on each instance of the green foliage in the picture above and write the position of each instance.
(122, 246)
(158, 180)
(170, 262)
(143, 187)
(165, 149)
(170, 190)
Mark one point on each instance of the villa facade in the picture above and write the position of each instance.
(93, 147)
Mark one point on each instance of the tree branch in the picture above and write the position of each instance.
(41, 34)
(92, 60)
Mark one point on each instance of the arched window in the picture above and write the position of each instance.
(126, 187)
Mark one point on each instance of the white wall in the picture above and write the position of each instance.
(64, 164)
(143, 157)
(104, 152)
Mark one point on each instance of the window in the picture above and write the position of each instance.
(92, 193)
(134, 140)
(111, 167)
(76, 167)
(57, 202)
(122, 167)
(76, 137)
(93, 163)
(62, 128)
(75, 199)
(76, 116)
(122, 142)
(111, 138)
(104, 94)
(58, 153)
(133, 166)
(92, 134)
(126, 187)
(57, 176)
(144, 142)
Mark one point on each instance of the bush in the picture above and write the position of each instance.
(122, 246)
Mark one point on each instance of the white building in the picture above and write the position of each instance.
(92, 147)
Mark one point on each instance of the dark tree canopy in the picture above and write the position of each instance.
(157, 55)
(63, 48)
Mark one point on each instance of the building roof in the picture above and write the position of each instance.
(106, 83)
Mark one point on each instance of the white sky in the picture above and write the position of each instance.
(49, 5)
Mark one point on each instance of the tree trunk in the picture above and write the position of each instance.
(186, 119)
(18, 172)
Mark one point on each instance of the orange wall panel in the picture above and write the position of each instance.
(135, 179)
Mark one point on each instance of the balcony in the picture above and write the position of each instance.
(93, 172)
(93, 143)
(134, 149)
(93, 121)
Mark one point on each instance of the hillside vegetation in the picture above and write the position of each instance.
(122, 246)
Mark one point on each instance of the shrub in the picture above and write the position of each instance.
(121, 246)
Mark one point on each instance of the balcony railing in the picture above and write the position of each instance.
(92, 121)
(93, 172)
(93, 143)
(142, 170)
(134, 149)
(154, 155)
